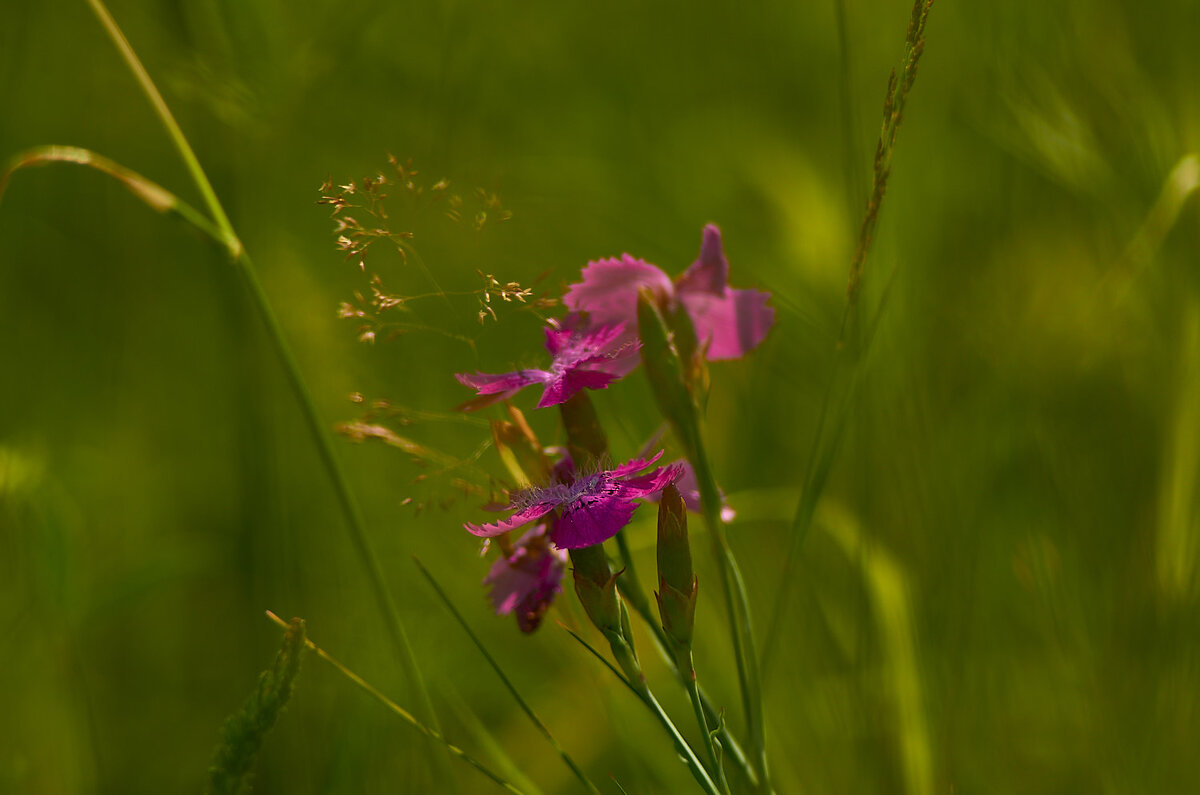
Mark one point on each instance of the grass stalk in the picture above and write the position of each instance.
(508, 685)
(737, 604)
(708, 735)
(320, 435)
(640, 689)
(733, 749)
(401, 712)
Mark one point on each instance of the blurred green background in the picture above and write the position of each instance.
(1000, 592)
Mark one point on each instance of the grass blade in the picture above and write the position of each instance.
(404, 714)
(154, 195)
(528, 710)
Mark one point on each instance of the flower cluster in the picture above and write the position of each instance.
(595, 345)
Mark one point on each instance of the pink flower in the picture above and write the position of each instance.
(592, 508)
(527, 580)
(730, 322)
(584, 358)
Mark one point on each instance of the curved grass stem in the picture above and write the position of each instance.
(401, 712)
(320, 435)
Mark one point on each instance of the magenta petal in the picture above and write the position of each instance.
(709, 273)
(509, 585)
(635, 465)
(560, 390)
(486, 384)
(592, 521)
(731, 325)
(557, 339)
(528, 579)
(609, 290)
(645, 485)
(521, 517)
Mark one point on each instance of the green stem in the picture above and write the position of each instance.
(736, 602)
(237, 252)
(628, 662)
(712, 717)
(633, 587)
(168, 120)
(508, 685)
(698, 771)
(693, 691)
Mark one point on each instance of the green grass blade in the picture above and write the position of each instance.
(646, 697)
(508, 685)
(404, 714)
(154, 195)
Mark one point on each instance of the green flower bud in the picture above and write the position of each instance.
(677, 583)
(674, 552)
(664, 369)
(683, 333)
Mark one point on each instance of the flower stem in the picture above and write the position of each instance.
(627, 660)
(633, 591)
(237, 253)
(736, 602)
(712, 717)
(693, 691)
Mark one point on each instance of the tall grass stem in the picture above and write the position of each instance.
(237, 252)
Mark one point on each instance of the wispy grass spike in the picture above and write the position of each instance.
(832, 419)
(243, 733)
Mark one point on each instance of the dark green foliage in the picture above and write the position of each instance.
(243, 734)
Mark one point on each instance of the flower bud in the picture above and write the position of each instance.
(674, 552)
(677, 582)
(664, 368)
(683, 334)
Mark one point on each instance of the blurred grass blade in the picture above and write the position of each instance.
(1181, 184)
(407, 716)
(154, 195)
(1178, 539)
(483, 736)
(892, 603)
(508, 685)
(243, 733)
